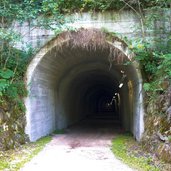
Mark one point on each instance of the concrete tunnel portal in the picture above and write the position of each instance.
(82, 74)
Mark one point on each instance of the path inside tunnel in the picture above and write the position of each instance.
(83, 146)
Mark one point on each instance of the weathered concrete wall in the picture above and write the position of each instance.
(60, 79)
(123, 23)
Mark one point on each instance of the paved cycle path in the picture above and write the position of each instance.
(84, 147)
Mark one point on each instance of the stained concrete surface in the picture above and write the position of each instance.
(85, 146)
(71, 77)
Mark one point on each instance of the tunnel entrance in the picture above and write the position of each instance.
(80, 75)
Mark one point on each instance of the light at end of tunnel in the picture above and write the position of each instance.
(120, 85)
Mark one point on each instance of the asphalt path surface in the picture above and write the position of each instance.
(83, 147)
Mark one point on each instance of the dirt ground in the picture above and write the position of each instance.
(83, 147)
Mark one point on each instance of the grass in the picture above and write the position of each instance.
(124, 148)
(13, 160)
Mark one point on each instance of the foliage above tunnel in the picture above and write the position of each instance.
(31, 9)
(102, 5)
(67, 6)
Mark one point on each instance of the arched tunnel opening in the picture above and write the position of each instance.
(73, 78)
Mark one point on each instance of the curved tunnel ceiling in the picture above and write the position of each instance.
(72, 82)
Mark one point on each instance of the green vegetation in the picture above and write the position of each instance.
(155, 65)
(13, 160)
(12, 91)
(13, 62)
(120, 148)
(70, 6)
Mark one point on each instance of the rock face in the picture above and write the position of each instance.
(169, 114)
(158, 127)
(164, 152)
(12, 122)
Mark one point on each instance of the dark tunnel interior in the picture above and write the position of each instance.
(96, 96)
